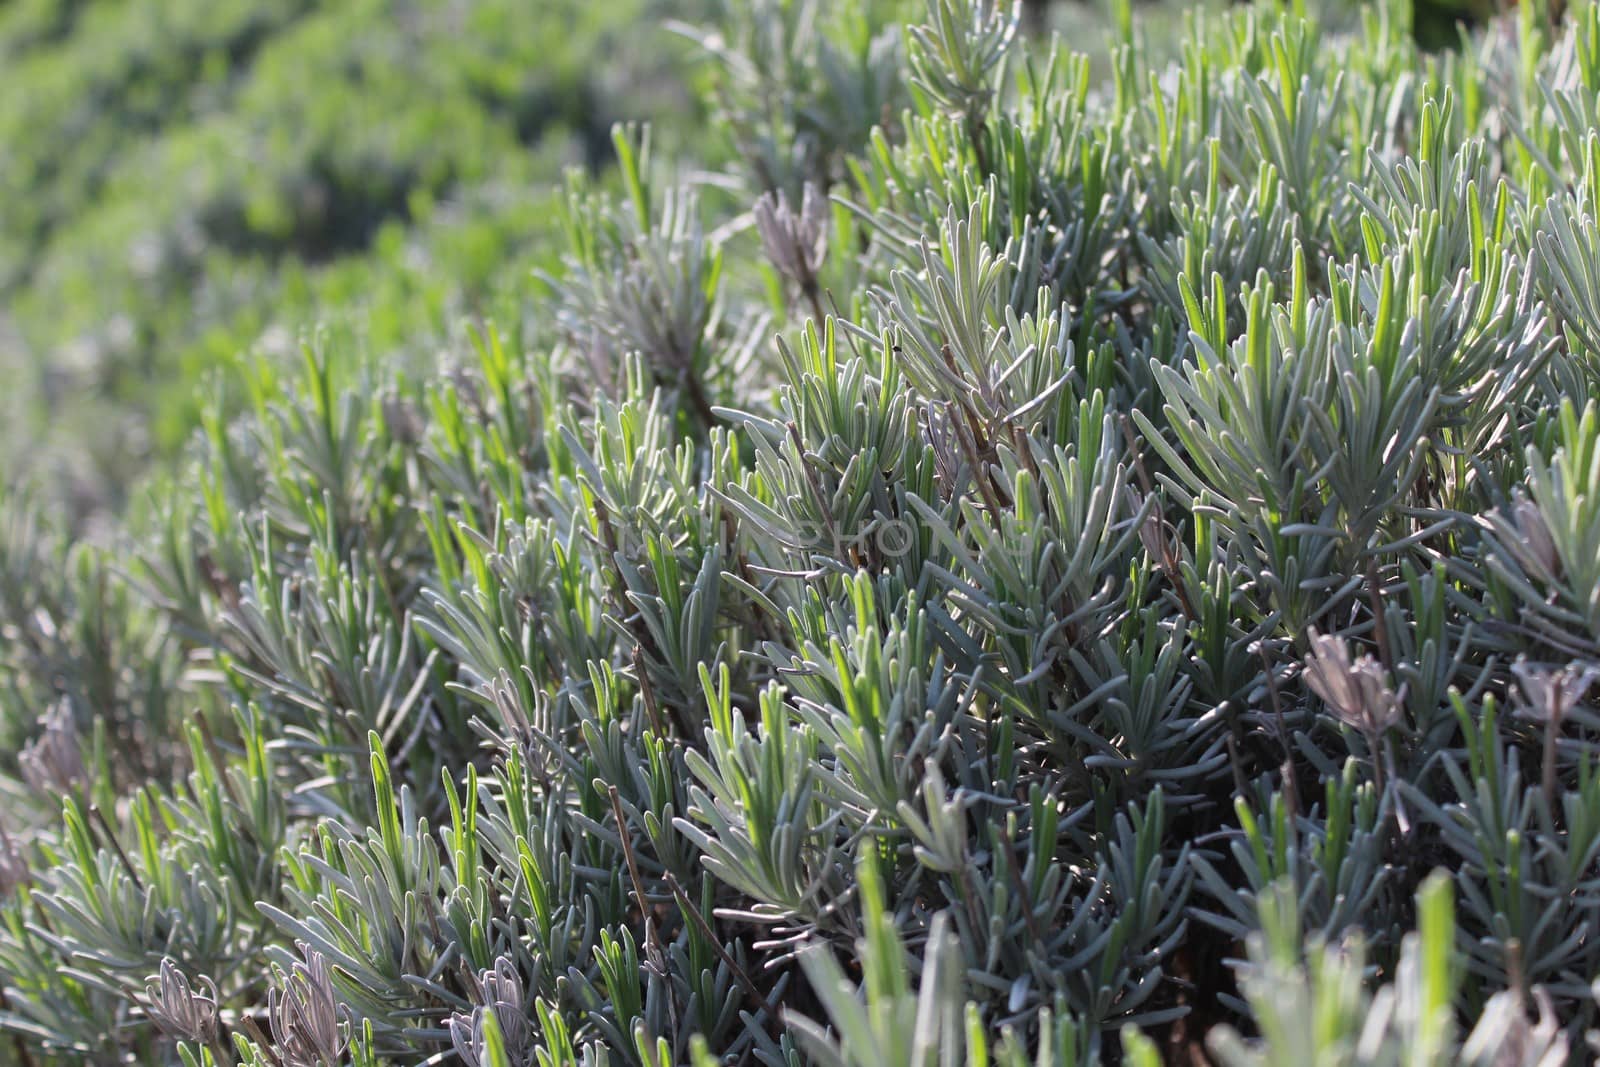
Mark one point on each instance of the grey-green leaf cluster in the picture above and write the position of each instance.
(1037, 560)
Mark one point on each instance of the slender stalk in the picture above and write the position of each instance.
(817, 495)
(219, 1046)
(1548, 782)
(253, 1032)
(653, 935)
(24, 1056)
(1291, 781)
(1400, 817)
(1022, 886)
(1380, 625)
(690, 382)
(1375, 749)
(813, 295)
(980, 471)
(752, 992)
(652, 711)
(116, 846)
(978, 134)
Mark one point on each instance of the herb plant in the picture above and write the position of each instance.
(1019, 567)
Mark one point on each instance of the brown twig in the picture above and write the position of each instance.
(1548, 768)
(652, 935)
(642, 641)
(1291, 781)
(730, 529)
(811, 484)
(752, 994)
(99, 819)
(980, 472)
(808, 286)
(977, 133)
(1138, 456)
(1232, 739)
(648, 692)
(1022, 886)
(697, 398)
(1380, 626)
(24, 1057)
(253, 1032)
(215, 752)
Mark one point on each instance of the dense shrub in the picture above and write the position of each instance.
(1016, 569)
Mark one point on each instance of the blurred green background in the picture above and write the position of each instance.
(185, 183)
(187, 187)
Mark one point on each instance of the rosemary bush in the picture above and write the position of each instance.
(1018, 569)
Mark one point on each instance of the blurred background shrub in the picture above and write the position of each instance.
(186, 182)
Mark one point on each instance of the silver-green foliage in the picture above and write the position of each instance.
(1167, 518)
